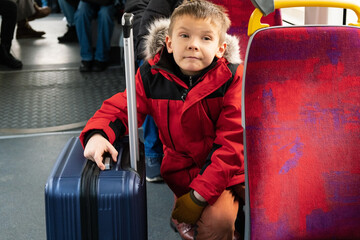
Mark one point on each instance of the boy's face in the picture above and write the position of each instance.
(194, 44)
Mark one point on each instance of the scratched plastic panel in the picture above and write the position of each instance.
(302, 107)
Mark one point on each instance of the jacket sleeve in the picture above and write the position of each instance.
(226, 167)
(112, 117)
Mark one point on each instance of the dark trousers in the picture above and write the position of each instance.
(8, 11)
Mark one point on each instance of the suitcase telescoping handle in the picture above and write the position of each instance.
(255, 24)
(127, 24)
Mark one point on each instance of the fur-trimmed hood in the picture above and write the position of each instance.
(155, 41)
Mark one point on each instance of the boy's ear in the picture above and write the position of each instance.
(168, 44)
(221, 50)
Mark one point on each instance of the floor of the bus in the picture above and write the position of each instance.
(41, 107)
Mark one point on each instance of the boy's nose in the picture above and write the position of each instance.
(193, 44)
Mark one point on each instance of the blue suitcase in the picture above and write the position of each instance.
(84, 203)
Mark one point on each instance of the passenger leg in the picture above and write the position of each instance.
(40, 12)
(69, 13)
(8, 11)
(25, 9)
(104, 32)
(153, 150)
(83, 17)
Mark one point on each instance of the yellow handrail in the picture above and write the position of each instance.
(255, 23)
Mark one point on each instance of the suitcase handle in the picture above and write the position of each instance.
(127, 24)
(255, 24)
(107, 163)
(107, 159)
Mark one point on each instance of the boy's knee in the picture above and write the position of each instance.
(219, 219)
(222, 224)
(217, 226)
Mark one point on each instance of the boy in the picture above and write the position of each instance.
(194, 95)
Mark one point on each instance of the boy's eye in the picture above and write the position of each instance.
(207, 38)
(183, 35)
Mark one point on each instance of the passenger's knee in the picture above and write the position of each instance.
(79, 14)
(84, 10)
(106, 14)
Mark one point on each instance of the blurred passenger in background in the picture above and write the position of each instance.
(27, 11)
(8, 12)
(104, 11)
(137, 7)
(68, 7)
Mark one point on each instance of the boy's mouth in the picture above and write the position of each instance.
(192, 57)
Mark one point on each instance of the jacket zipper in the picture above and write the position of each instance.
(184, 94)
(191, 84)
(183, 97)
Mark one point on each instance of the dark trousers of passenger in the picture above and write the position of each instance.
(9, 13)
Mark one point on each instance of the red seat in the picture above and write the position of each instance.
(239, 13)
(301, 114)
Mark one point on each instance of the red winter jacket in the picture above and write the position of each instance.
(200, 127)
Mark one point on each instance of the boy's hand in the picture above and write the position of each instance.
(188, 208)
(95, 149)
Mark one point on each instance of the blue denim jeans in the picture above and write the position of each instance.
(69, 12)
(153, 145)
(85, 13)
(44, 3)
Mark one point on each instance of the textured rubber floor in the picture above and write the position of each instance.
(51, 100)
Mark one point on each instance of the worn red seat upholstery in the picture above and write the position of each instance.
(301, 114)
(239, 13)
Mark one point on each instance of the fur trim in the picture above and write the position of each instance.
(232, 51)
(158, 30)
(155, 40)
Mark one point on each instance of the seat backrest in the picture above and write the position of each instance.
(239, 13)
(301, 113)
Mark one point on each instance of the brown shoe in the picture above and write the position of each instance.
(186, 231)
(40, 12)
(24, 30)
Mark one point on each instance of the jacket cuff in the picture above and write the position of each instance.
(91, 133)
(197, 201)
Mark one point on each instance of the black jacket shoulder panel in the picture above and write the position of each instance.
(156, 86)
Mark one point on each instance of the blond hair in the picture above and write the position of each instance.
(201, 9)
